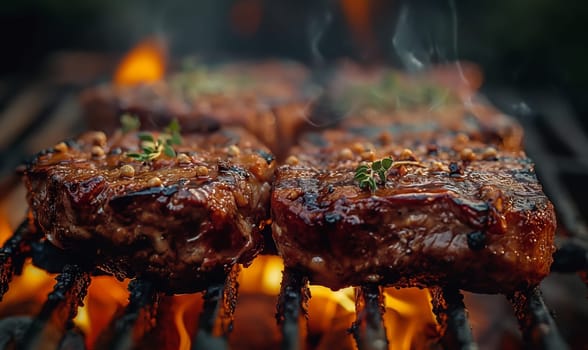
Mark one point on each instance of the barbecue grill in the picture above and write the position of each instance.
(38, 110)
(38, 114)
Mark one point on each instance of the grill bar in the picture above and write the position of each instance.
(538, 327)
(13, 328)
(571, 256)
(216, 319)
(205, 338)
(138, 318)
(294, 294)
(452, 316)
(49, 327)
(368, 329)
(13, 254)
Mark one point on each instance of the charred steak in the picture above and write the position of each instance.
(452, 211)
(180, 221)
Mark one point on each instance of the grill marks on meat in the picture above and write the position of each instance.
(463, 214)
(178, 221)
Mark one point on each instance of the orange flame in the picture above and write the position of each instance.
(183, 334)
(264, 275)
(106, 295)
(28, 291)
(145, 63)
(408, 319)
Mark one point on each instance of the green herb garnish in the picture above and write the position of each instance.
(365, 174)
(129, 123)
(152, 148)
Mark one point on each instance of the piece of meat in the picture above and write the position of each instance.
(179, 221)
(453, 211)
(270, 99)
(419, 106)
(458, 80)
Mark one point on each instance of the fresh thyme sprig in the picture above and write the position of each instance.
(365, 174)
(152, 147)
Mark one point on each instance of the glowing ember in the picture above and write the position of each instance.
(145, 63)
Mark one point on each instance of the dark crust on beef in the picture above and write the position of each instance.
(481, 222)
(183, 234)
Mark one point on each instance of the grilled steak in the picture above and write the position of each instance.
(180, 221)
(419, 106)
(453, 211)
(269, 99)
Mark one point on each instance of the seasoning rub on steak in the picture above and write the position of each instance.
(452, 211)
(180, 221)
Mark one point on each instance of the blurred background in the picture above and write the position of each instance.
(526, 43)
(533, 52)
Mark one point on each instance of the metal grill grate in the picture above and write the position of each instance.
(50, 326)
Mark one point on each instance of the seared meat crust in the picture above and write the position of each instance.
(458, 212)
(178, 221)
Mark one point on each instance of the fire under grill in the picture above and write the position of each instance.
(37, 115)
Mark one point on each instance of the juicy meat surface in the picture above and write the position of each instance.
(269, 99)
(179, 221)
(453, 211)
